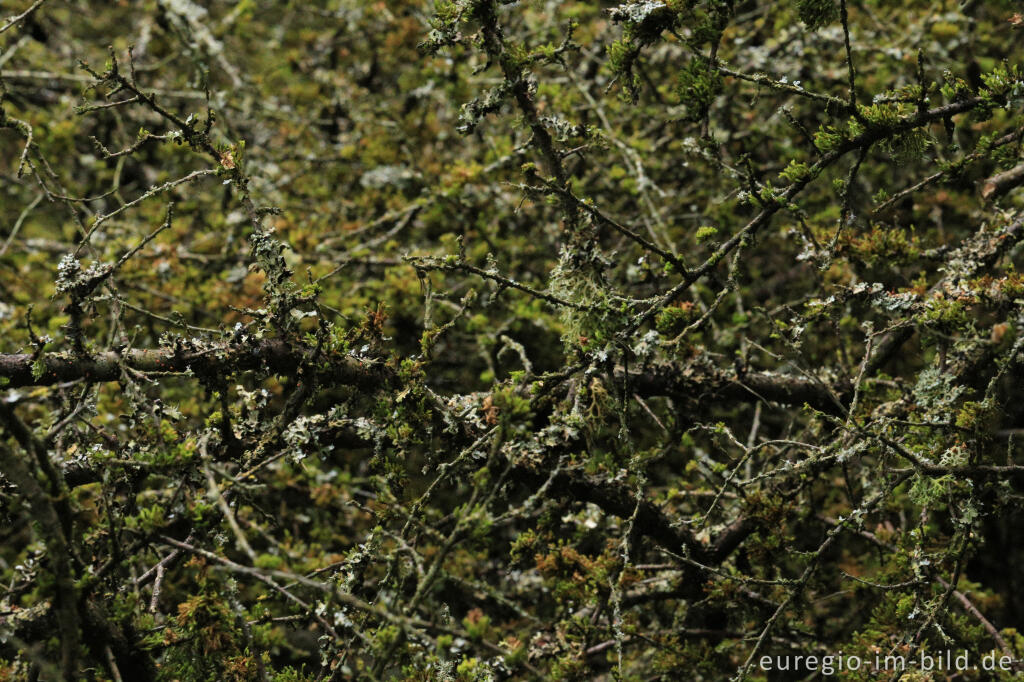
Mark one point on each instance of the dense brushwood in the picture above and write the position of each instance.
(479, 340)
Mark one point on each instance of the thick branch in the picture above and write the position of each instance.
(689, 384)
(272, 355)
(280, 357)
(1001, 183)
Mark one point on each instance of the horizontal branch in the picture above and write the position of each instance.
(1001, 183)
(691, 384)
(274, 355)
(21, 369)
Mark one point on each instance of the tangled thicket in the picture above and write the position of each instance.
(477, 340)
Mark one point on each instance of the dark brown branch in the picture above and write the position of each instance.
(690, 383)
(1001, 183)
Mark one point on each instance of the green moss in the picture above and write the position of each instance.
(697, 85)
(673, 319)
(705, 233)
